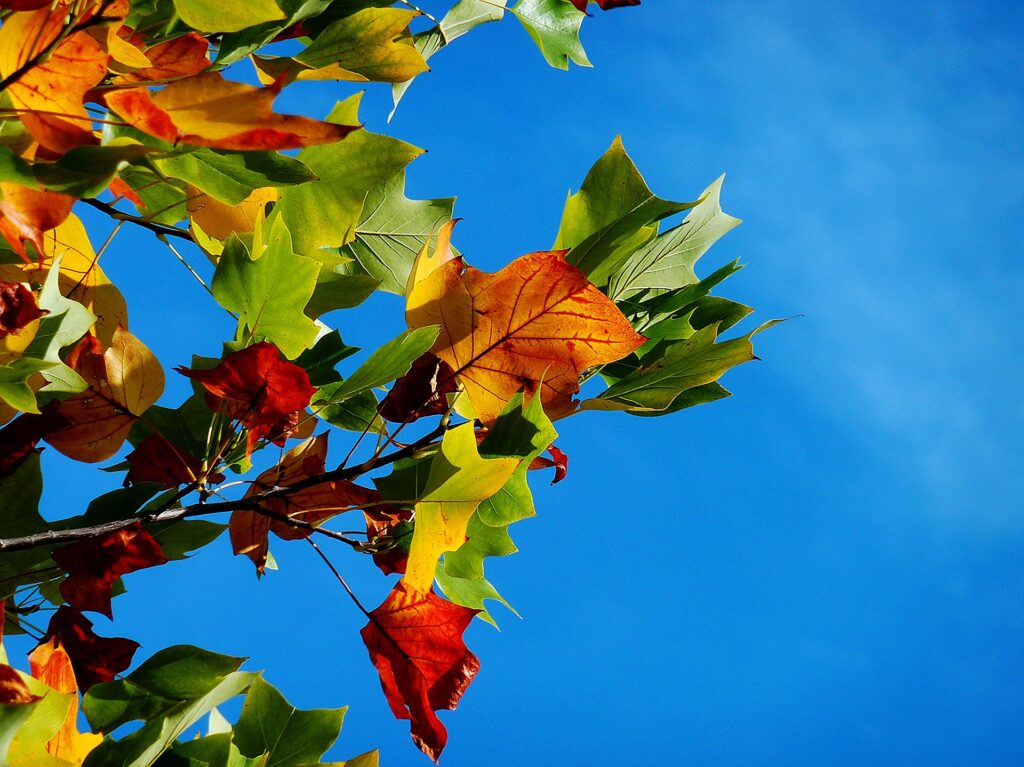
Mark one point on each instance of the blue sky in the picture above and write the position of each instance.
(825, 568)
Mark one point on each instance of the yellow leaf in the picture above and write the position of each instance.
(220, 220)
(51, 665)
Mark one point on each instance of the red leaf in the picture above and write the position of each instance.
(17, 307)
(558, 459)
(381, 521)
(95, 563)
(157, 460)
(95, 659)
(605, 5)
(259, 388)
(26, 214)
(421, 391)
(415, 641)
(120, 190)
(20, 436)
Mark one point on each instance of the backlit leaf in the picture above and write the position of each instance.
(555, 26)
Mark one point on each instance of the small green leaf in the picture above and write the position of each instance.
(555, 26)
(358, 413)
(321, 360)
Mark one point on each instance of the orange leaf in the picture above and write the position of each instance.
(415, 641)
(124, 381)
(51, 665)
(51, 93)
(537, 320)
(181, 57)
(94, 658)
(207, 110)
(318, 503)
(25, 214)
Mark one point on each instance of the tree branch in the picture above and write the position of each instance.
(117, 215)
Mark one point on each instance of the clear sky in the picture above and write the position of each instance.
(826, 568)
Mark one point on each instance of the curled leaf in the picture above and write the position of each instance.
(18, 308)
(95, 659)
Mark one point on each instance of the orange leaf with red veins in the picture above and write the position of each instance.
(18, 308)
(207, 110)
(26, 214)
(95, 563)
(51, 665)
(260, 388)
(95, 659)
(315, 504)
(50, 95)
(123, 382)
(538, 323)
(415, 641)
(181, 57)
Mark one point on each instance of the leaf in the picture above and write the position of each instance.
(269, 290)
(180, 57)
(324, 214)
(226, 15)
(257, 387)
(371, 44)
(392, 230)
(158, 460)
(605, 5)
(537, 324)
(320, 360)
(207, 110)
(272, 728)
(231, 177)
(123, 382)
(51, 95)
(470, 592)
(85, 171)
(458, 481)
(13, 691)
(212, 218)
(19, 438)
(18, 308)
(337, 288)
(27, 214)
(612, 214)
(357, 413)
(667, 261)
(423, 391)
(51, 665)
(94, 564)
(95, 659)
(555, 26)
(415, 642)
(315, 504)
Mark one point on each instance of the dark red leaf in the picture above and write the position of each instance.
(421, 391)
(17, 307)
(415, 641)
(20, 436)
(13, 690)
(605, 5)
(382, 521)
(94, 564)
(558, 460)
(157, 460)
(261, 389)
(95, 659)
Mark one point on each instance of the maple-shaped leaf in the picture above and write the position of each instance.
(26, 214)
(207, 110)
(260, 388)
(420, 392)
(315, 504)
(50, 664)
(123, 381)
(93, 564)
(158, 460)
(220, 220)
(537, 325)
(50, 95)
(18, 308)
(554, 26)
(181, 57)
(95, 659)
(415, 641)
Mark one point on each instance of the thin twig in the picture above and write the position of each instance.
(341, 580)
(117, 215)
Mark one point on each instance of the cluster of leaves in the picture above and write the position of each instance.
(125, 107)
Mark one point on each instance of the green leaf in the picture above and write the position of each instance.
(320, 361)
(466, 15)
(324, 213)
(226, 15)
(14, 388)
(389, 362)
(163, 199)
(667, 261)
(612, 215)
(232, 176)
(555, 26)
(85, 171)
(15, 169)
(178, 539)
(392, 230)
(470, 592)
(28, 746)
(237, 45)
(358, 413)
(19, 515)
(270, 292)
(288, 736)
(337, 287)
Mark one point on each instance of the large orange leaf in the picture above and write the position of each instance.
(26, 214)
(181, 57)
(415, 641)
(124, 381)
(536, 324)
(51, 93)
(51, 665)
(207, 110)
(249, 529)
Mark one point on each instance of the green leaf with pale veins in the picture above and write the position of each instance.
(470, 592)
(612, 215)
(392, 230)
(555, 26)
(324, 213)
(232, 176)
(271, 726)
(269, 293)
(227, 15)
(667, 261)
(357, 413)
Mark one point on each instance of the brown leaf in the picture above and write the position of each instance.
(415, 641)
(421, 391)
(95, 659)
(13, 690)
(384, 521)
(537, 324)
(207, 110)
(94, 564)
(260, 388)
